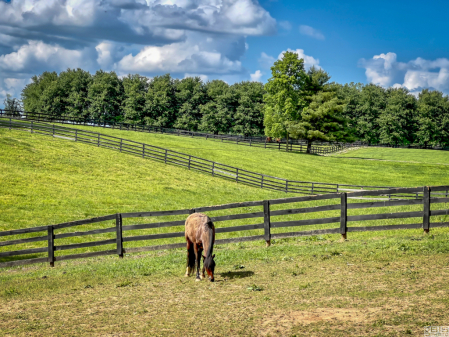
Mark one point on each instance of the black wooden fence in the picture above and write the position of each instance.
(266, 214)
(258, 141)
(180, 159)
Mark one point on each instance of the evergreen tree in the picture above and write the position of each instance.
(322, 120)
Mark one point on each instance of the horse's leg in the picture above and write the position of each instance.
(198, 261)
(189, 268)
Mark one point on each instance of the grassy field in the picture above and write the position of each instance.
(399, 155)
(376, 284)
(301, 166)
(382, 286)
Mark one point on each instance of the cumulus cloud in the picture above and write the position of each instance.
(146, 36)
(415, 75)
(256, 76)
(285, 25)
(310, 31)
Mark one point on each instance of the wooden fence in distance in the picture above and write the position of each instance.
(184, 160)
(265, 214)
(256, 141)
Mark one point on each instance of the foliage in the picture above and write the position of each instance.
(74, 85)
(190, 95)
(284, 99)
(135, 88)
(105, 94)
(12, 105)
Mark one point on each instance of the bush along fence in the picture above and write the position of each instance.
(261, 141)
(180, 159)
(267, 227)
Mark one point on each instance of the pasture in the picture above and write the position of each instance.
(386, 284)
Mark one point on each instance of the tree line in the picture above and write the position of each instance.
(162, 101)
(294, 103)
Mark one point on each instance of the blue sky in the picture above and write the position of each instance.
(390, 43)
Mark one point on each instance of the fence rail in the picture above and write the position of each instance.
(184, 160)
(343, 224)
(257, 141)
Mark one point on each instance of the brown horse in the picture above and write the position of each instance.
(200, 234)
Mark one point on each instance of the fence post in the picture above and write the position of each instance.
(344, 215)
(426, 210)
(118, 228)
(261, 182)
(51, 246)
(286, 186)
(189, 161)
(143, 150)
(98, 143)
(31, 126)
(266, 222)
(53, 130)
(237, 175)
(312, 188)
(213, 168)
(76, 135)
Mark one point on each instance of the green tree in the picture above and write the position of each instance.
(160, 102)
(216, 114)
(285, 97)
(135, 88)
(74, 86)
(105, 97)
(190, 94)
(397, 121)
(433, 119)
(42, 94)
(248, 115)
(322, 120)
(13, 106)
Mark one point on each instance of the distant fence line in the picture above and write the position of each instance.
(180, 159)
(265, 213)
(294, 145)
(260, 141)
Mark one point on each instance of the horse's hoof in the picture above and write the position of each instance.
(197, 279)
(186, 275)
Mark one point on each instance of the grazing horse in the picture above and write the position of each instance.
(200, 234)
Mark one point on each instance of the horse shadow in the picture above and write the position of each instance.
(236, 274)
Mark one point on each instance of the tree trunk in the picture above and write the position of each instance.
(309, 146)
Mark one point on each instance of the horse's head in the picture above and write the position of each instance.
(209, 265)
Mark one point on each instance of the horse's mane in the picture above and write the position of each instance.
(208, 259)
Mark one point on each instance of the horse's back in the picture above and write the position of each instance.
(196, 225)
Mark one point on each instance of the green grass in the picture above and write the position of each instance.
(387, 285)
(304, 167)
(406, 155)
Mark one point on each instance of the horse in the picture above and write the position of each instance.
(200, 234)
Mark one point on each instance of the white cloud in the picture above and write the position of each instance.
(203, 77)
(415, 75)
(310, 31)
(267, 61)
(256, 76)
(145, 36)
(285, 25)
